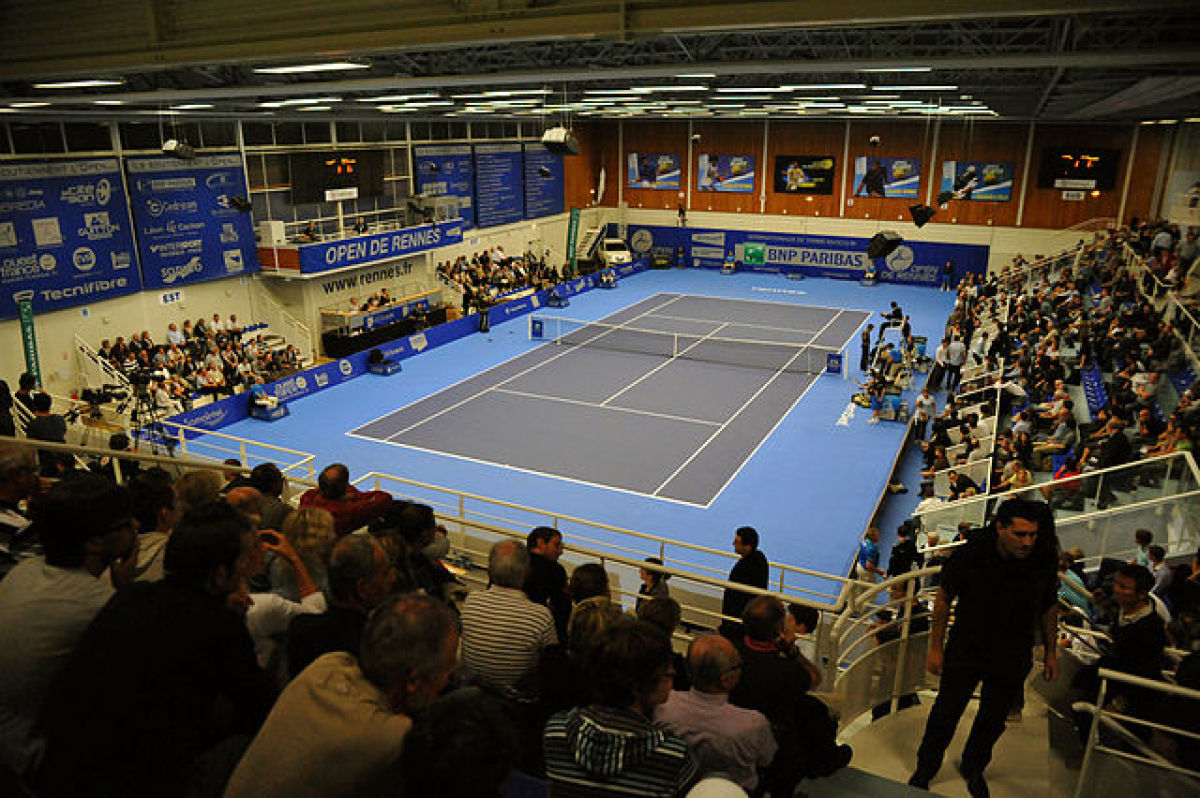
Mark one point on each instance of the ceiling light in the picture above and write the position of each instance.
(822, 105)
(315, 108)
(191, 107)
(79, 84)
(1168, 121)
(398, 98)
(29, 105)
(616, 91)
(297, 69)
(898, 69)
(681, 87)
(108, 102)
(1189, 119)
(926, 87)
(697, 75)
(750, 89)
(815, 86)
(300, 101)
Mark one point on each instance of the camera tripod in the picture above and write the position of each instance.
(146, 425)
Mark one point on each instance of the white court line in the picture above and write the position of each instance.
(767, 302)
(616, 409)
(741, 324)
(530, 471)
(664, 364)
(737, 413)
(477, 394)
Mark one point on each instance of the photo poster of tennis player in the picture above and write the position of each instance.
(654, 170)
(730, 173)
(804, 174)
(978, 180)
(886, 177)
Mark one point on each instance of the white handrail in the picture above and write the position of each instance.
(304, 463)
(279, 319)
(112, 374)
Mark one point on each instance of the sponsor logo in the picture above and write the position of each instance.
(229, 233)
(46, 232)
(97, 226)
(84, 259)
(47, 262)
(121, 260)
(418, 342)
(322, 380)
(301, 383)
(712, 239)
(641, 240)
(8, 234)
(177, 228)
(158, 207)
(900, 259)
(85, 289)
(210, 418)
(346, 367)
(847, 416)
(233, 260)
(174, 249)
(218, 180)
(173, 273)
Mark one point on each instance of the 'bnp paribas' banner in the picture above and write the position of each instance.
(64, 235)
(189, 229)
(839, 257)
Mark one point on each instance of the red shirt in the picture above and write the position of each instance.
(355, 509)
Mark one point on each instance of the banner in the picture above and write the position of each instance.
(64, 234)
(804, 174)
(448, 172)
(188, 228)
(838, 257)
(499, 184)
(886, 177)
(731, 173)
(29, 336)
(654, 170)
(543, 182)
(978, 180)
(573, 238)
(328, 255)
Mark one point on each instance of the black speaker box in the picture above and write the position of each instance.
(921, 214)
(883, 244)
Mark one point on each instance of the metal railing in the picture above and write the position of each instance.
(218, 446)
(280, 321)
(93, 365)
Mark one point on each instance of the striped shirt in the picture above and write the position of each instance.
(602, 751)
(503, 633)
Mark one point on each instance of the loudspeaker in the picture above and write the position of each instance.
(883, 244)
(375, 356)
(239, 203)
(560, 141)
(921, 214)
(945, 197)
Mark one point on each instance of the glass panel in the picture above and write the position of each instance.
(37, 138)
(88, 136)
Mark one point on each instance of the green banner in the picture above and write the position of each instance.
(573, 239)
(754, 254)
(28, 336)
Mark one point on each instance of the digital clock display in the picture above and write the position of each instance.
(1079, 168)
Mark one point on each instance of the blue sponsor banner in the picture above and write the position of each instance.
(838, 257)
(886, 177)
(499, 184)
(729, 173)
(388, 315)
(448, 171)
(978, 180)
(65, 235)
(543, 182)
(233, 409)
(656, 170)
(328, 255)
(188, 230)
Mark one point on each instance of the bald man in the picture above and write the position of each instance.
(723, 737)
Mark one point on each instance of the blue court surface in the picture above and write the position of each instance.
(705, 378)
(597, 434)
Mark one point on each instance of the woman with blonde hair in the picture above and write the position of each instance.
(311, 533)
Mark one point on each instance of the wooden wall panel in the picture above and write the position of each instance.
(597, 148)
(980, 141)
(804, 138)
(1045, 207)
(1153, 146)
(900, 139)
(726, 138)
(658, 136)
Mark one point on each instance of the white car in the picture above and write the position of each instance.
(614, 252)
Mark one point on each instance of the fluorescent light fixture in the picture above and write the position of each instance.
(1189, 119)
(917, 87)
(8, 111)
(316, 108)
(821, 86)
(750, 89)
(1168, 121)
(299, 69)
(108, 102)
(191, 107)
(898, 69)
(399, 98)
(679, 87)
(1146, 122)
(616, 91)
(744, 97)
(29, 105)
(822, 105)
(397, 109)
(79, 84)
(726, 105)
(300, 101)
(697, 75)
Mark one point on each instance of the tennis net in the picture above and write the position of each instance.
(769, 355)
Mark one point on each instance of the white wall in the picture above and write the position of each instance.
(1004, 242)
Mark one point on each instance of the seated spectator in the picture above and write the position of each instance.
(19, 482)
(665, 614)
(724, 738)
(611, 746)
(268, 479)
(154, 509)
(547, 580)
(195, 488)
(503, 632)
(351, 508)
(310, 533)
(654, 583)
(588, 580)
(152, 670)
(46, 603)
(406, 529)
(51, 427)
(360, 578)
(1159, 570)
(775, 681)
(337, 730)
(961, 485)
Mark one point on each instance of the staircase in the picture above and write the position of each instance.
(588, 242)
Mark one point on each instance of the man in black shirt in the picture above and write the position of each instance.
(752, 569)
(546, 583)
(1005, 583)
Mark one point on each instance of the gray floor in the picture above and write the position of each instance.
(676, 429)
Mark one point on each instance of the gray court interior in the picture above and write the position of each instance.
(672, 428)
